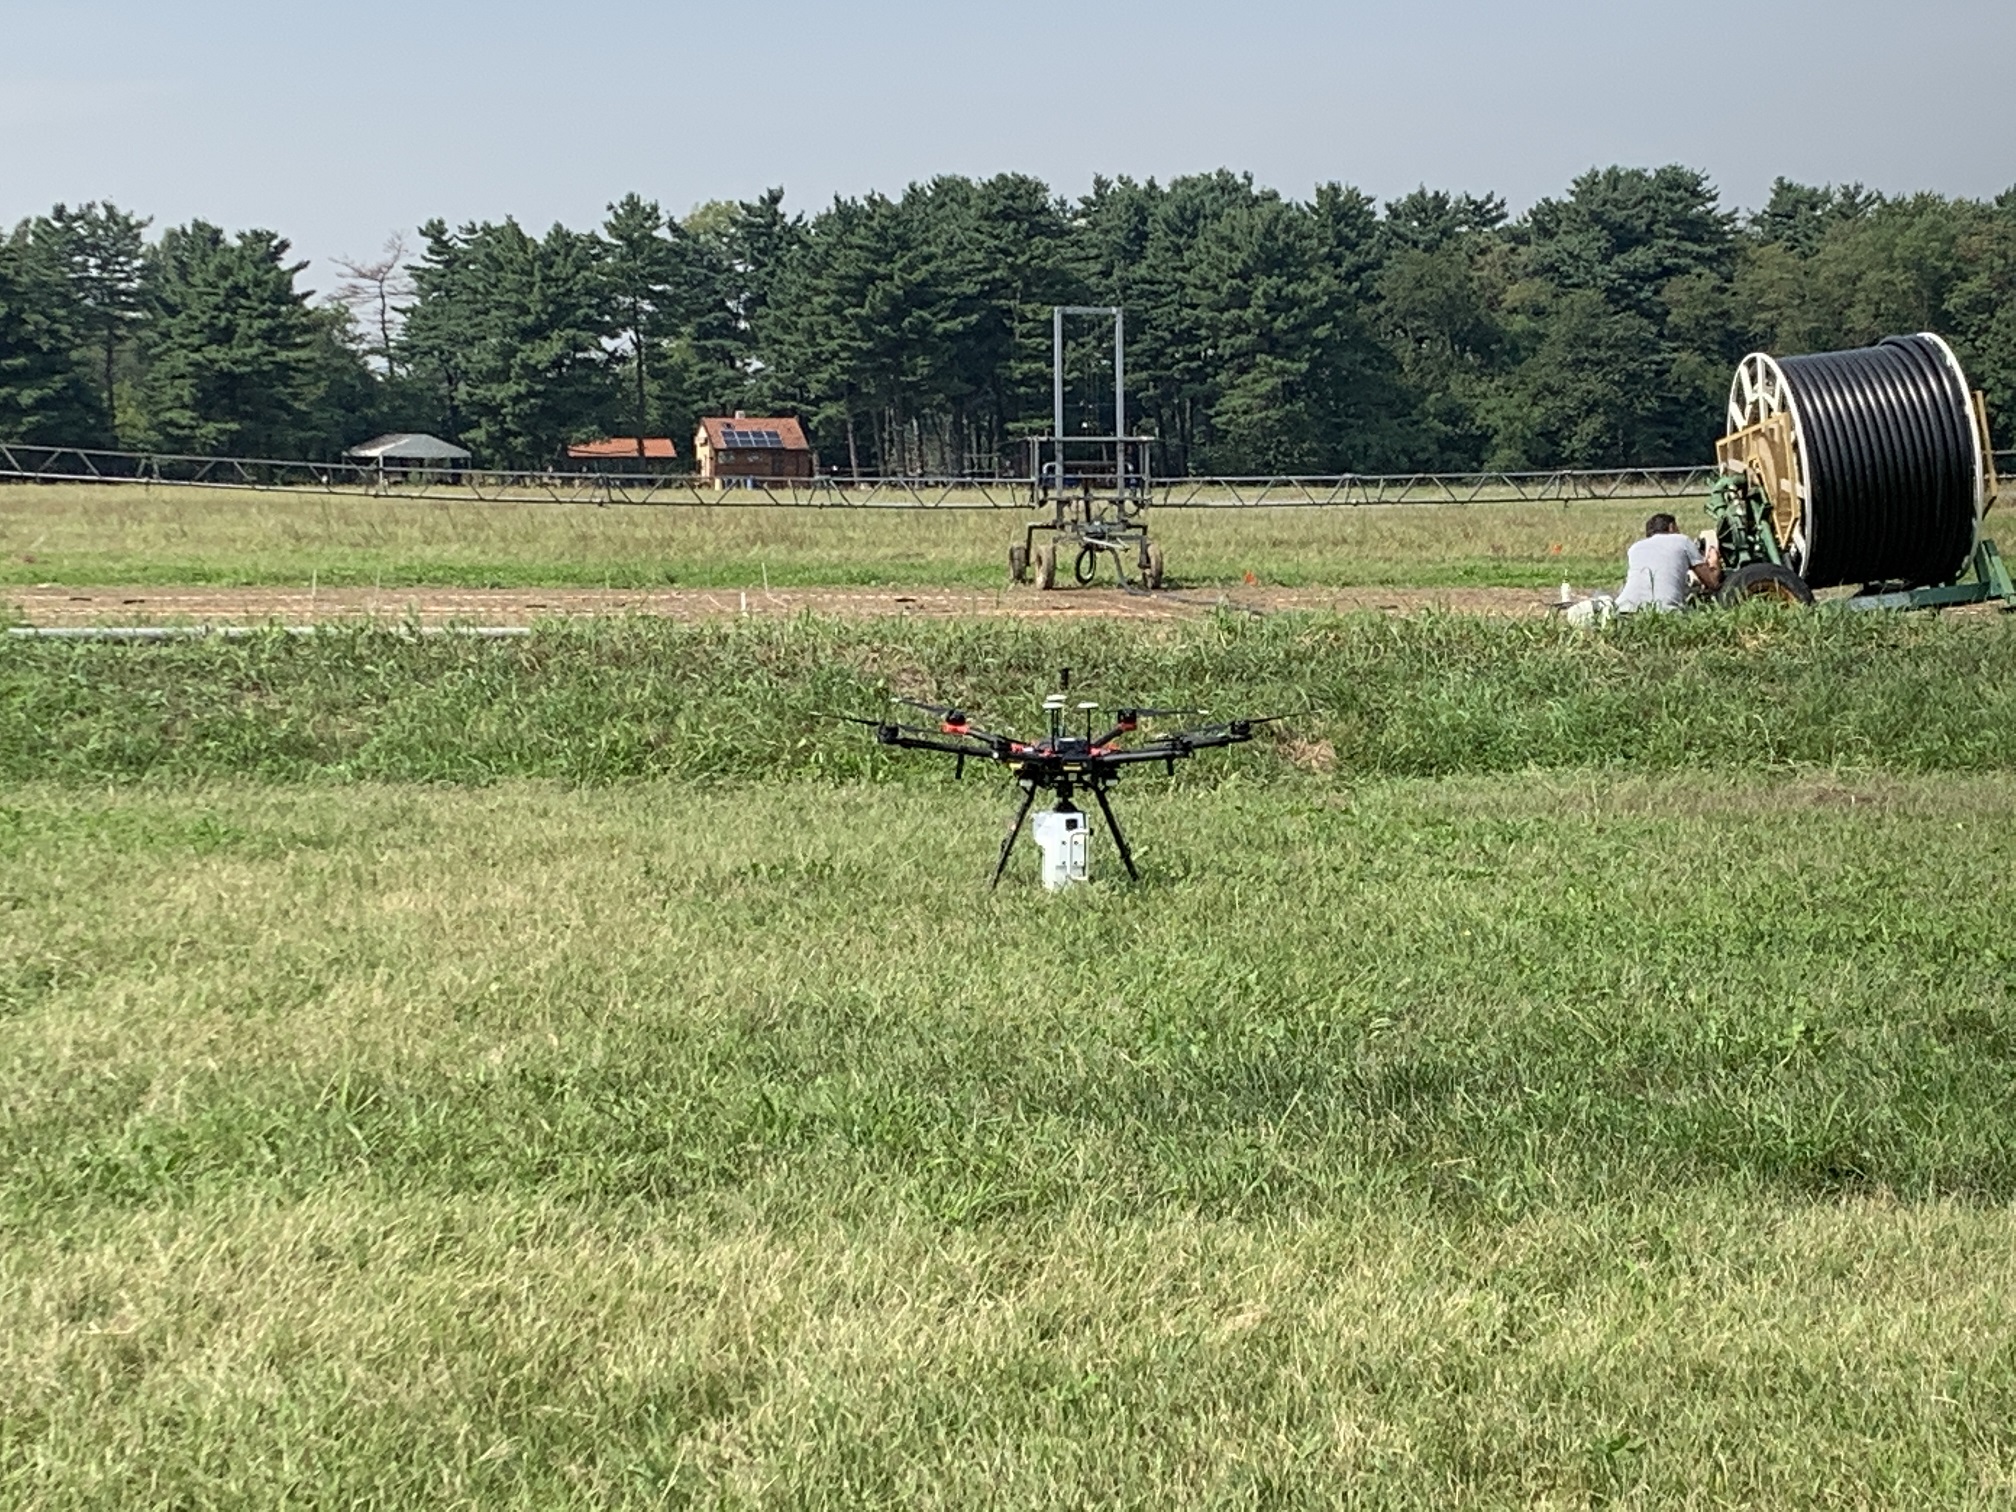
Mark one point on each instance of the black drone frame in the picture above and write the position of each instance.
(1060, 762)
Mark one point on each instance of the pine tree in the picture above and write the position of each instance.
(1625, 233)
(822, 353)
(438, 341)
(102, 251)
(231, 352)
(1281, 291)
(1592, 388)
(1144, 244)
(1437, 293)
(45, 397)
(1799, 216)
(1981, 310)
(512, 331)
(1655, 250)
(646, 278)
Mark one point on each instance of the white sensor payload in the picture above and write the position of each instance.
(1065, 840)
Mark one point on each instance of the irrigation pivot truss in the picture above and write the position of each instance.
(45, 464)
(1356, 490)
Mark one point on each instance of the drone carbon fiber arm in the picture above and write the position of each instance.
(1055, 759)
(915, 738)
(1181, 743)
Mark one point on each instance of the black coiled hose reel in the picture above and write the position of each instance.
(1866, 467)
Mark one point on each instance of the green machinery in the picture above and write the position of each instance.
(1871, 468)
(1754, 565)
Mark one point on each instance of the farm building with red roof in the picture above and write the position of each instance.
(649, 453)
(752, 451)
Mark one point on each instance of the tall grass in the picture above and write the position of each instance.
(623, 699)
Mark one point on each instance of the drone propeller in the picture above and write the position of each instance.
(1239, 729)
(951, 721)
(1231, 732)
(1127, 719)
(941, 710)
(880, 725)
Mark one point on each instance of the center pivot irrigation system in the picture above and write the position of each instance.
(1870, 467)
(1096, 488)
(1061, 763)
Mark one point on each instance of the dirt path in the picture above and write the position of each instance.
(521, 606)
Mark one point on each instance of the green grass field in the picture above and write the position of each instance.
(80, 535)
(1554, 1071)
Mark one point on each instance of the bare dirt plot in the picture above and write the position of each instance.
(520, 606)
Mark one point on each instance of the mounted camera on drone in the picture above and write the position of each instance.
(1061, 763)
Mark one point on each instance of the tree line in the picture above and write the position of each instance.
(912, 333)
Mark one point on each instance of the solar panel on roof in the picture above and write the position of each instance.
(737, 436)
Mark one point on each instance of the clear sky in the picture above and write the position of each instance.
(336, 124)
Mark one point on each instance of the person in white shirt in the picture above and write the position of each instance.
(1659, 572)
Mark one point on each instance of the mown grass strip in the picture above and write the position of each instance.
(80, 534)
(1457, 1143)
(1706, 1349)
(800, 999)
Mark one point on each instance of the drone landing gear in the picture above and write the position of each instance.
(1014, 829)
(1119, 840)
(1064, 806)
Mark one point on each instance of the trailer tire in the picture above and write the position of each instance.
(1018, 564)
(1151, 565)
(1046, 565)
(1765, 580)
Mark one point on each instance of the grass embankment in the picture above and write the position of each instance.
(1625, 1120)
(616, 699)
(82, 535)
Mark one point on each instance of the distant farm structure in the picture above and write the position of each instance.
(741, 451)
(623, 454)
(412, 455)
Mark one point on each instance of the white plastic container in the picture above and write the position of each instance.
(1064, 839)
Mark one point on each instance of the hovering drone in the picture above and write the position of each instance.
(1062, 763)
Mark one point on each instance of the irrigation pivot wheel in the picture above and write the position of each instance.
(1018, 564)
(1768, 581)
(1151, 564)
(1046, 565)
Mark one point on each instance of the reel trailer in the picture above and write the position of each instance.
(1869, 468)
